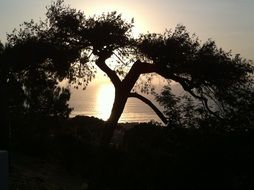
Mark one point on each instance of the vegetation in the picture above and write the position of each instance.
(67, 155)
(209, 135)
(68, 45)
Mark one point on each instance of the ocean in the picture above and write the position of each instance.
(97, 101)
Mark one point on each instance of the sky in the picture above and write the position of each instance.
(229, 22)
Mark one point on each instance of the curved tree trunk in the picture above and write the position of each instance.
(123, 92)
(118, 106)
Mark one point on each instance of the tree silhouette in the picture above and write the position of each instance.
(4, 141)
(71, 45)
(28, 81)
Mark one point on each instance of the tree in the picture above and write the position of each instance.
(28, 81)
(223, 84)
(4, 140)
(72, 44)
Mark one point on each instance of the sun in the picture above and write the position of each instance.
(104, 100)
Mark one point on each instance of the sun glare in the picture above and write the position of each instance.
(104, 102)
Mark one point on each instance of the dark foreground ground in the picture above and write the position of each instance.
(53, 154)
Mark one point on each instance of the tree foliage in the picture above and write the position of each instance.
(223, 83)
(68, 45)
(30, 85)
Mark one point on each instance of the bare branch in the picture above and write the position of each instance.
(125, 64)
(149, 103)
(202, 98)
(100, 62)
(185, 83)
(204, 101)
(136, 70)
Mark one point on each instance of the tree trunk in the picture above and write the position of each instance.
(120, 100)
(123, 92)
(118, 106)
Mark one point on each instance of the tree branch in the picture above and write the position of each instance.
(136, 70)
(139, 68)
(125, 64)
(100, 62)
(188, 87)
(149, 103)
(145, 67)
(205, 102)
(185, 83)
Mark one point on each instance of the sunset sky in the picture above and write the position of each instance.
(229, 22)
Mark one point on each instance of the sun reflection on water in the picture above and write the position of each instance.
(104, 100)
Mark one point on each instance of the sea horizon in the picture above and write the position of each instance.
(87, 105)
(97, 100)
